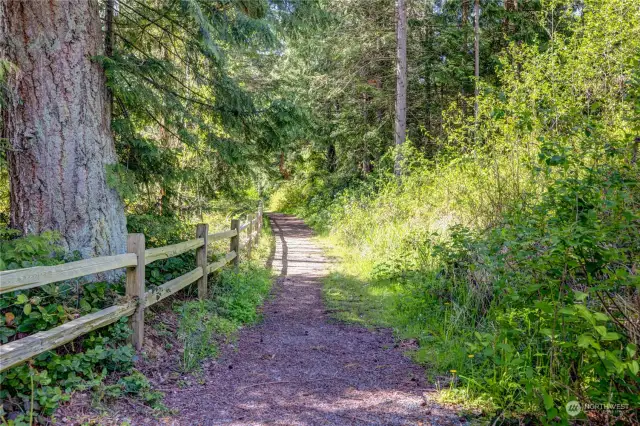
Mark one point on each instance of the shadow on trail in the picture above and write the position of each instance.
(300, 368)
(284, 252)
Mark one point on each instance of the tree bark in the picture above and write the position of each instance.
(401, 80)
(331, 158)
(108, 31)
(59, 126)
(465, 12)
(476, 32)
(283, 169)
(510, 6)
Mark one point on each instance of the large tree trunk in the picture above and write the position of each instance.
(59, 126)
(476, 50)
(401, 80)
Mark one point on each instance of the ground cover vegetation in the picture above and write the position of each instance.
(508, 247)
(502, 235)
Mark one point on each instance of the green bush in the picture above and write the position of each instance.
(200, 330)
(160, 230)
(531, 312)
(24, 252)
(136, 385)
(35, 389)
(512, 255)
(237, 294)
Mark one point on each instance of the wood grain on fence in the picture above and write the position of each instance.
(137, 299)
(158, 253)
(23, 279)
(167, 289)
(222, 235)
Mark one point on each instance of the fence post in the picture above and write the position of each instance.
(135, 289)
(258, 227)
(261, 209)
(235, 241)
(250, 233)
(202, 231)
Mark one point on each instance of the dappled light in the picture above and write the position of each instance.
(453, 189)
(297, 367)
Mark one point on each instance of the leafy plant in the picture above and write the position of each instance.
(51, 377)
(199, 331)
(136, 385)
(33, 250)
(234, 300)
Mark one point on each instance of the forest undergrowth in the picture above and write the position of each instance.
(98, 371)
(511, 256)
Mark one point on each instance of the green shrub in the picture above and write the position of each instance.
(237, 294)
(24, 252)
(512, 256)
(53, 376)
(531, 312)
(160, 230)
(136, 385)
(200, 329)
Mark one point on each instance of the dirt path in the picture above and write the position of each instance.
(298, 368)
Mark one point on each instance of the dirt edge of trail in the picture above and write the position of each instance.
(297, 367)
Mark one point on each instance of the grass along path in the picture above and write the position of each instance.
(299, 367)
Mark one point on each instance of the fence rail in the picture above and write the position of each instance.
(137, 298)
(38, 276)
(158, 253)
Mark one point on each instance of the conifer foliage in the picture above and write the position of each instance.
(509, 246)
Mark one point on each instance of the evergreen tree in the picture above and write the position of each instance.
(58, 126)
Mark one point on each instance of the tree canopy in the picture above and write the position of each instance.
(508, 246)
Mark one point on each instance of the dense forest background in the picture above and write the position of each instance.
(508, 247)
(503, 235)
(194, 108)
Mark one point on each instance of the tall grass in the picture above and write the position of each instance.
(235, 297)
(511, 257)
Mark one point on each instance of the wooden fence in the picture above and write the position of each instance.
(137, 298)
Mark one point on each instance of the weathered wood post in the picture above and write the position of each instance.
(135, 289)
(257, 227)
(235, 241)
(202, 231)
(250, 233)
(259, 221)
